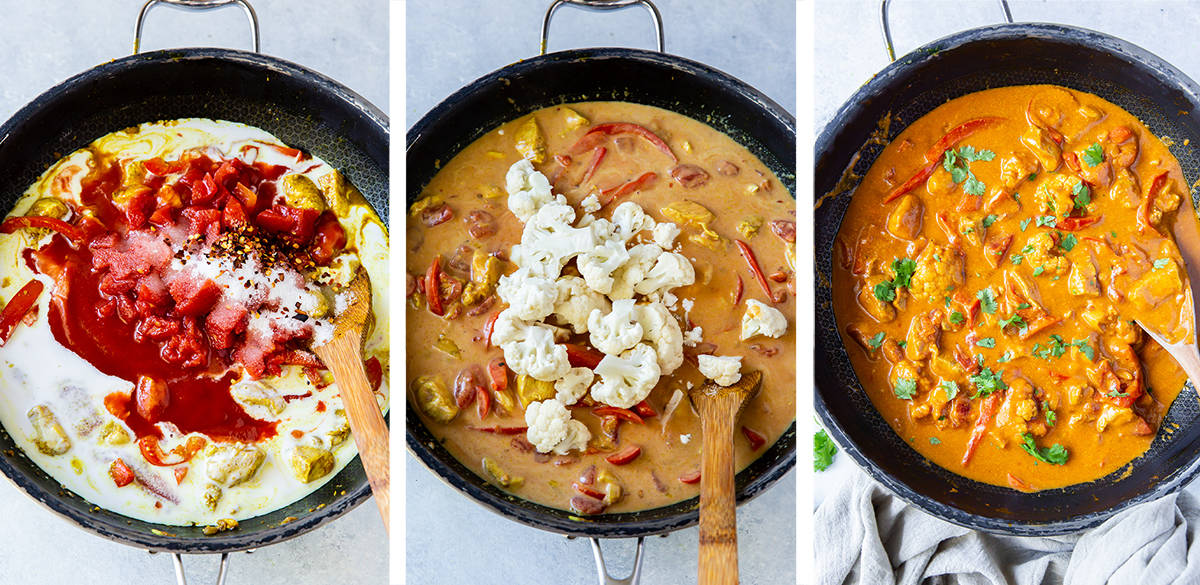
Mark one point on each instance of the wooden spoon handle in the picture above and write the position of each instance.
(343, 358)
(718, 500)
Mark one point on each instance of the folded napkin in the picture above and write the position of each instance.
(867, 536)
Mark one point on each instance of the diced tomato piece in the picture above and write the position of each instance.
(180, 474)
(374, 373)
(150, 398)
(330, 239)
(294, 224)
(162, 168)
(17, 307)
(138, 207)
(1074, 224)
(235, 213)
(757, 440)
(194, 298)
(621, 413)
(625, 455)
(205, 190)
(120, 473)
(224, 322)
(201, 219)
(690, 477)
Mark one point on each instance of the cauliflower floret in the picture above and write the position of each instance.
(1043, 252)
(576, 302)
(628, 379)
(724, 370)
(590, 204)
(938, 268)
(573, 386)
(535, 354)
(665, 234)
(693, 336)
(597, 265)
(551, 428)
(508, 328)
(662, 329)
(528, 190)
(548, 241)
(629, 219)
(761, 319)
(530, 297)
(670, 270)
(641, 259)
(616, 331)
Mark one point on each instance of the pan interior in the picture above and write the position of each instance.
(1160, 96)
(642, 77)
(303, 109)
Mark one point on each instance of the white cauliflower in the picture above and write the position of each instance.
(761, 319)
(616, 331)
(724, 370)
(670, 270)
(535, 354)
(530, 297)
(576, 301)
(691, 337)
(508, 328)
(548, 241)
(641, 259)
(571, 387)
(597, 265)
(628, 379)
(551, 428)
(629, 219)
(528, 190)
(661, 328)
(590, 204)
(665, 234)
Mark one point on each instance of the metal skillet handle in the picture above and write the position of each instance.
(603, 5)
(196, 5)
(180, 579)
(887, 28)
(606, 579)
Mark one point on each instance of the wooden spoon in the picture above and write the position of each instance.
(1184, 351)
(343, 356)
(719, 407)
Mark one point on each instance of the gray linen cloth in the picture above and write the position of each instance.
(867, 536)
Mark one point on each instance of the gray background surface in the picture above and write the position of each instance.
(43, 43)
(850, 49)
(451, 43)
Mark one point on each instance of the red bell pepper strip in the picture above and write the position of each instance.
(120, 473)
(154, 454)
(748, 254)
(374, 371)
(621, 413)
(499, 430)
(757, 440)
(598, 132)
(597, 156)
(483, 404)
(1074, 224)
(630, 187)
(690, 477)
(68, 231)
(644, 410)
(587, 490)
(624, 455)
(18, 307)
(433, 287)
(1143, 212)
(939, 148)
(986, 411)
(488, 327)
(738, 289)
(582, 357)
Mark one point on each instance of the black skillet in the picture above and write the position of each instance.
(653, 78)
(304, 109)
(1165, 99)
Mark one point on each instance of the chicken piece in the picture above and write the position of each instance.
(939, 268)
(1056, 195)
(1002, 203)
(1084, 280)
(996, 247)
(1043, 252)
(1039, 142)
(1016, 168)
(48, 435)
(311, 463)
(906, 219)
(1122, 147)
(435, 399)
(1099, 176)
(1125, 189)
(529, 141)
(211, 495)
(1112, 416)
(1160, 284)
(940, 183)
(230, 465)
(881, 311)
(1017, 409)
(113, 433)
(922, 338)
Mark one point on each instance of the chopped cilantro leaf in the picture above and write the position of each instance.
(904, 269)
(1023, 306)
(986, 342)
(905, 388)
(974, 186)
(957, 317)
(987, 382)
(1083, 196)
(1045, 221)
(1016, 259)
(1054, 348)
(951, 388)
(1093, 155)
(1068, 242)
(823, 451)
(901, 344)
(885, 291)
(1161, 263)
(1015, 319)
(1051, 418)
(1007, 357)
(935, 441)
(1086, 348)
(876, 341)
(1036, 272)
(1054, 455)
(1025, 223)
(1031, 177)
(987, 300)
(1117, 394)
(989, 220)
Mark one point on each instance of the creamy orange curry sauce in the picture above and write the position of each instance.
(990, 274)
(718, 194)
